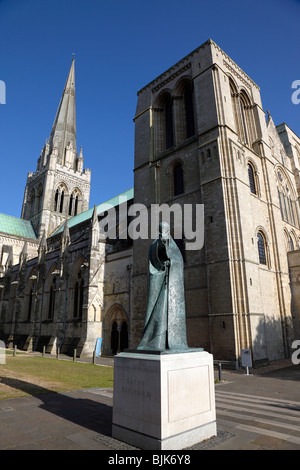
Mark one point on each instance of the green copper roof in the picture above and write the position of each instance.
(15, 226)
(115, 201)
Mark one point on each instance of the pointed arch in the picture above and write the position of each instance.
(77, 285)
(29, 293)
(293, 244)
(242, 109)
(235, 105)
(61, 197)
(115, 331)
(51, 288)
(253, 177)
(287, 197)
(75, 202)
(185, 109)
(164, 122)
(263, 247)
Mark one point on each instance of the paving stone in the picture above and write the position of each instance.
(267, 441)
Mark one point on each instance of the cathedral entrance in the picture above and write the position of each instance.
(119, 337)
(115, 330)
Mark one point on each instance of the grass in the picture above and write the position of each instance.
(35, 375)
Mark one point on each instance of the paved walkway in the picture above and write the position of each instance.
(254, 412)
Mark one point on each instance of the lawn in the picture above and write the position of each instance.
(35, 375)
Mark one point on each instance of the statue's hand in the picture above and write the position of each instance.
(167, 263)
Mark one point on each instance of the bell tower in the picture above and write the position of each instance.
(60, 187)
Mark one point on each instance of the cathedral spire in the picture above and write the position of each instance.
(63, 133)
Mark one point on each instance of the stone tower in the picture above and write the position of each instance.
(201, 137)
(60, 187)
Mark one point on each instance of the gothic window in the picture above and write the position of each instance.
(251, 176)
(30, 304)
(287, 199)
(52, 299)
(74, 203)
(59, 199)
(78, 297)
(178, 179)
(234, 102)
(71, 204)
(243, 110)
(261, 246)
(56, 200)
(243, 115)
(61, 205)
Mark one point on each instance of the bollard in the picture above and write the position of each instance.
(15, 350)
(94, 357)
(57, 353)
(74, 356)
(44, 350)
(220, 371)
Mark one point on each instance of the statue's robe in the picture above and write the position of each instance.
(165, 322)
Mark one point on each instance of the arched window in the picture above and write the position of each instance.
(76, 205)
(178, 179)
(244, 104)
(78, 297)
(235, 106)
(243, 115)
(61, 206)
(287, 199)
(73, 203)
(59, 199)
(30, 304)
(56, 200)
(251, 177)
(52, 299)
(261, 246)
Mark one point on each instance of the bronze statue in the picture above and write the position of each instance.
(165, 322)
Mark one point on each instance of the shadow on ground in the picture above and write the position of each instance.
(91, 414)
(286, 373)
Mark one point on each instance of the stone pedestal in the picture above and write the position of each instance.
(163, 401)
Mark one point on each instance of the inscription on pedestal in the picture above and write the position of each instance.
(135, 388)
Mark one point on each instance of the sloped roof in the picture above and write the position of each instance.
(14, 226)
(104, 206)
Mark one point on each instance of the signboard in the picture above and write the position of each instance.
(2, 353)
(98, 347)
(246, 358)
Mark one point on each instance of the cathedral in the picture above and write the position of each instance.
(201, 137)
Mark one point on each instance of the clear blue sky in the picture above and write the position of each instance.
(121, 46)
